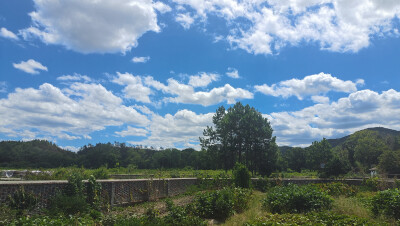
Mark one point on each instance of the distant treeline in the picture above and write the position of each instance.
(356, 153)
(45, 154)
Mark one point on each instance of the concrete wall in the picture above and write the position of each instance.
(116, 192)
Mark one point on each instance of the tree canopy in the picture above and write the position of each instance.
(241, 134)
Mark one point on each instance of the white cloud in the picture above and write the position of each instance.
(186, 94)
(185, 20)
(320, 99)
(233, 73)
(267, 26)
(30, 66)
(360, 110)
(8, 34)
(134, 88)
(74, 77)
(140, 59)
(182, 129)
(133, 131)
(311, 85)
(70, 148)
(72, 113)
(161, 7)
(139, 89)
(99, 26)
(203, 79)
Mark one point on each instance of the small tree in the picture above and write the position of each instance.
(241, 176)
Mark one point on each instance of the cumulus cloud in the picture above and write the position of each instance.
(140, 59)
(30, 66)
(74, 77)
(267, 26)
(203, 79)
(233, 73)
(185, 20)
(8, 34)
(311, 85)
(140, 88)
(72, 113)
(360, 110)
(99, 26)
(181, 129)
(133, 131)
(134, 88)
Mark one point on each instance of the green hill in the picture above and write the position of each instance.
(34, 154)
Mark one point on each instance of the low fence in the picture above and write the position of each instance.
(116, 192)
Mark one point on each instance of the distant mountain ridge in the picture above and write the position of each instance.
(389, 136)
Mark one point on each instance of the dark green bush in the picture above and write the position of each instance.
(220, 204)
(296, 199)
(386, 203)
(241, 176)
(22, 201)
(68, 204)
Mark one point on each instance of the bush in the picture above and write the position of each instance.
(337, 189)
(21, 201)
(241, 176)
(386, 203)
(296, 199)
(220, 204)
(68, 205)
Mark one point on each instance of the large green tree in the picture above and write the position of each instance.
(241, 134)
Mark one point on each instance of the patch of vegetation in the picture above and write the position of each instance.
(296, 199)
(220, 204)
(312, 218)
(387, 203)
(241, 176)
(337, 189)
(22, 201)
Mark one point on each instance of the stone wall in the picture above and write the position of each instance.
(116, 192)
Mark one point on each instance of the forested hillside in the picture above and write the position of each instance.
(34, 154)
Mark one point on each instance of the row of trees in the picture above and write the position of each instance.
(358, 153)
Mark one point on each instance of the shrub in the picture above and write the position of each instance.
(21, 201)
(386, 203)
(337, 189)
(241, 176)
(68, 204)
(76, 198)
(220, 204)
(93, 193)
(296, 199)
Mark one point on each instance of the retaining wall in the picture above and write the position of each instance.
(116, 192)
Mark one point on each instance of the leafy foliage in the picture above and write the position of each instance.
(220, 204)
(22, 200)
(313, 218)
(241, 176)
(337, 189)
(296, 199)
(387, 203)
(241, 135)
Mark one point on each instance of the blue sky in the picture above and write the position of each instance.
(154, 72)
